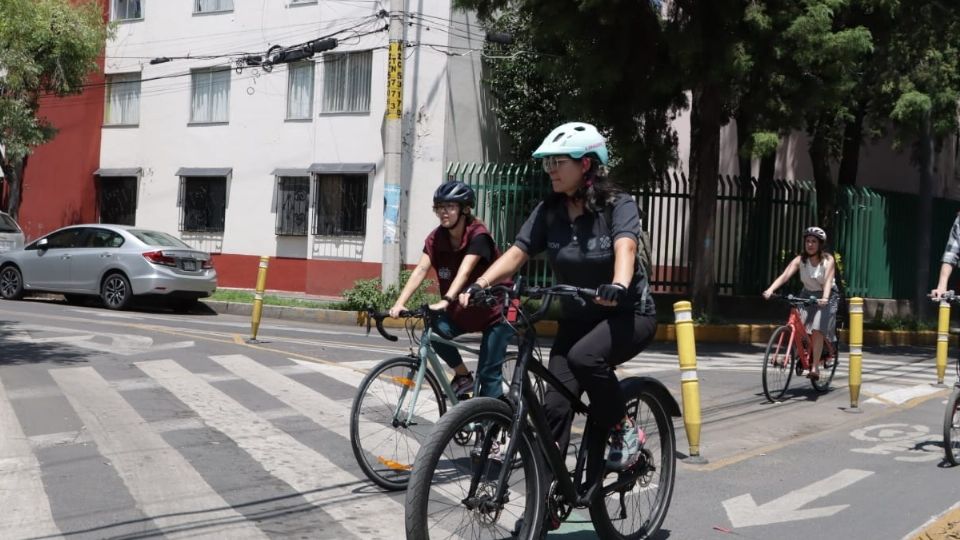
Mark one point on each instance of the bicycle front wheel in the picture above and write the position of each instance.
(951, 428)
(777, 364)
(637, 501)
(453, 486)
(384, 437)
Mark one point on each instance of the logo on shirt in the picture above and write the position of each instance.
(444, 273)
(553, 245)
(603, 243)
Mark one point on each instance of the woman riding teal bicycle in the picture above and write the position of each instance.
(590, 230)
(460, 250)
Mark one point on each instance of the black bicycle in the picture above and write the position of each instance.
(513, 482)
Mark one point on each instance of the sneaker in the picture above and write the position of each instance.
(626, 442)
(462, 384)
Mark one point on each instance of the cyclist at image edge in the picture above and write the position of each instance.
(951, 258)
(817, 270)
(590, 230)
(460, 249)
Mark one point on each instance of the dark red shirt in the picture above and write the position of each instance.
(446, 259)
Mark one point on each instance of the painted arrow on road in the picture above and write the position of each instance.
(743, 511)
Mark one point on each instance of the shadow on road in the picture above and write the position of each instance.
(16, 352)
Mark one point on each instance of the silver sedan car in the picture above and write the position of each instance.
(114, 262)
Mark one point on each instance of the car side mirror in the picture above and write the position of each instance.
(42, 244)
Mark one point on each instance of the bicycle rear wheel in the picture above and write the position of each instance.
(385, 444)
(777, 364)
(951, 428)
(638, 505)
(439, 500)
(827, 370)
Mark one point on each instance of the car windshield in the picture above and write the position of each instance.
(8, 225)
(157, 238)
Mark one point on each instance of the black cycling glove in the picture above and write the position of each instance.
(612, 292)
(472, 290)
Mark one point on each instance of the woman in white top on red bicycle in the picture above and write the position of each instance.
(816, 269)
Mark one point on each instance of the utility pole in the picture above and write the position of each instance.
(392, 145)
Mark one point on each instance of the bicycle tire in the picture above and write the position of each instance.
(951, 428)
(659, 471)
(777, 366)
(432, 479)
(827, 371)
(385, 454)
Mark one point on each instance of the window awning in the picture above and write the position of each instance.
(340, 168)
(105, 172)
(290, 172)
(204, 171)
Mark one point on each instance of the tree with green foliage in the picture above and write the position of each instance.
(47, 47)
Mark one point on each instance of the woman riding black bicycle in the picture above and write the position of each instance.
(590, 230)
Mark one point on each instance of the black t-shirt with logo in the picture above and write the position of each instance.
(581, 253)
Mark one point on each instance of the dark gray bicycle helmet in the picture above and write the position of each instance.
(455, 191)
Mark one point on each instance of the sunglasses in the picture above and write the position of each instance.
(448, 208)
(552, 163)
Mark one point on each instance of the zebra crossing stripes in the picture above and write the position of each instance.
(312, 474)
(188, 507)
(26, 509)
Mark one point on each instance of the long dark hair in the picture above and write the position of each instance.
(597, 190)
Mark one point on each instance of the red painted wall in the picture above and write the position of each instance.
(319, 277)
(58, 183)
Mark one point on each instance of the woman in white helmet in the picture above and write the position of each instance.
(590, 230)
(817, 270)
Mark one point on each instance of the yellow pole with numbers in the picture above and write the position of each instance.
(258, 299)
(689, 383)
(943, 340)
(856, 352)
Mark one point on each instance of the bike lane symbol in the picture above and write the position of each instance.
(906, 442)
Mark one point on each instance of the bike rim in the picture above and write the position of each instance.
(389, 450)
(954, 442)
(778, 366)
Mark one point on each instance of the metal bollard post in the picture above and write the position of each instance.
(689, 383)
(258, 299)
(943, 340)
(856, 353)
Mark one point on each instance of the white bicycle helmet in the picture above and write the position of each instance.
(575, 139)
(816, 232)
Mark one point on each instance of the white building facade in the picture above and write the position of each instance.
(288, 163)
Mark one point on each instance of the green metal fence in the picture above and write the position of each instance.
(757, 228)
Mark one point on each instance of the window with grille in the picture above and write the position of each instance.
(212, 6)
(126, 10)
(341, 205)
(117, 200)
(300, 91)
(210, 96)
(293, 205)
(123, 100)
(346, 82)
(203, 203)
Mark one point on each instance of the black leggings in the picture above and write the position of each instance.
(583, 357)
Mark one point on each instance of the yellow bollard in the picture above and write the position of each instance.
(689, 383)
(856, 353)
(258, 299)
(943, 340)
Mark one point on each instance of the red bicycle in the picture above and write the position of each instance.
(789, 351)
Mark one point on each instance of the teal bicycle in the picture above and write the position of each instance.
(401, 399)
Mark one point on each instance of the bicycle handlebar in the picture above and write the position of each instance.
(795, 300)
(423, 312)
(947, 296)
(491, 295)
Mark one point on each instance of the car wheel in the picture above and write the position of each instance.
(115, 291)
(11, 283)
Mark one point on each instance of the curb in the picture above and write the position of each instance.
(743, 334)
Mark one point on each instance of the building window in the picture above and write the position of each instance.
(341, 205)
(123, 100)
(346, 82)
(117, 200)
(212, 6)
(293, 205)
(300, 91)
(210, 96)
(125, 10)
(203, 203)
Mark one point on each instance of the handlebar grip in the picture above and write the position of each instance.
(378, 318)
(383, 331)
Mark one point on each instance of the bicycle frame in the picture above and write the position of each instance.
(432, 360)
(804, 347)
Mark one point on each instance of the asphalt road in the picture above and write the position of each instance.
(147, 424)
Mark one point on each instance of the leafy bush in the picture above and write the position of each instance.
(369, 292)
